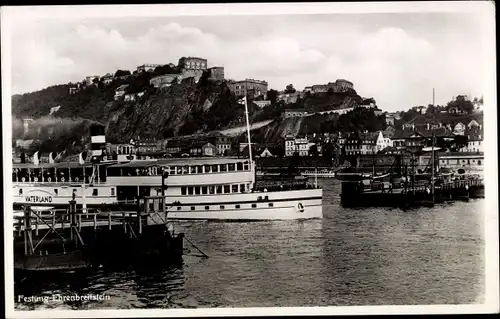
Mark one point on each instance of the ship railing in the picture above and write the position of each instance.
(56, 181)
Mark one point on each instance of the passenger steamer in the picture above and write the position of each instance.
(194, 188)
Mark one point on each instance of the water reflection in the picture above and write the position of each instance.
(350, 257)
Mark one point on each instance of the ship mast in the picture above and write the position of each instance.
(432, 145)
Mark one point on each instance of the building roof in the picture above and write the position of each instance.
(369, 136)
(423, 131)
(423, 119)
(174, 143)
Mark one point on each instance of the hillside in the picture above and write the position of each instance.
(183, 108)
(180, 109)
(360, 119)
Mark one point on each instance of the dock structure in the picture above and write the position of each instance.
(356, 194)
(47, 240)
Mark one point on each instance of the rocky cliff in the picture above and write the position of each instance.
(181, 109)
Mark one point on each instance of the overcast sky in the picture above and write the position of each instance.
(396, 58)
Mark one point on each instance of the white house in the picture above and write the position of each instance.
(472, 124)
(459, 129)
(266, 153)
(297, 145)
(382, 142)
(120, 91)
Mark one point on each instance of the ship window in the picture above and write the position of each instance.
(207, 207)
(239, 166)
(222, 207)
(242, 188)
(211, 189)
(235, 188)
(259, 198)
(204, 190)
(94, 192)
(192, 169)
(112, 191)
(219, 189)
(271, 204)
(199, 169)
(178, 208)
(20, 191)
(266, 198)
(223, 168)
(215, 168)
(208, 169)
(227, 189)
(190, 190)
(178, 169)
(478, 162)
(185, 169)
(254, 205)
(246, 166)
(56, 191)
(197, 190)
(183, 190)
(236, 206)
(192, 207)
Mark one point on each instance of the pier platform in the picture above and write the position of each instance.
(356, 194)
(74, 239)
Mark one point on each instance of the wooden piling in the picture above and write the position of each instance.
(26, 216)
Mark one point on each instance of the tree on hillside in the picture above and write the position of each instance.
(122, 73)
(290, 89)
(431, 109)
(408, 115)
(272, 95)
(164, 69)
(462, 103)
(459, 142)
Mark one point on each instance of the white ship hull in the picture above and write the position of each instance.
(279, 205)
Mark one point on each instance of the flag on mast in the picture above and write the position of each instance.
(242, 100)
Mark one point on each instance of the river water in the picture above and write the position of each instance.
(372, 256)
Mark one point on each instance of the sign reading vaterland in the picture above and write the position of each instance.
(249, 159)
